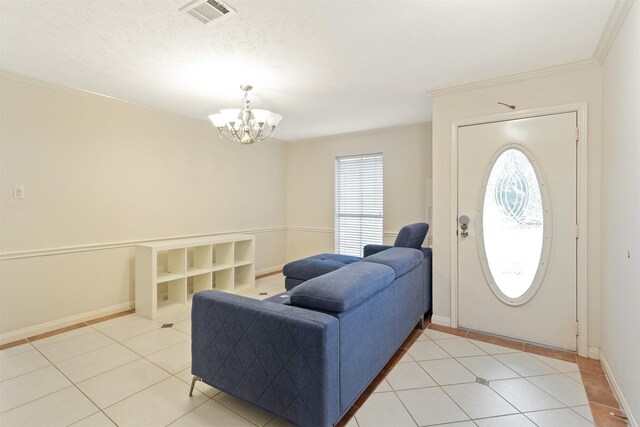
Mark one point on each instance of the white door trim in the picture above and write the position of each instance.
(581, 262)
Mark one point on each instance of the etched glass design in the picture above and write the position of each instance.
(513, 223)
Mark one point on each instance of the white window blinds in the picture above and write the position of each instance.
(358, 202)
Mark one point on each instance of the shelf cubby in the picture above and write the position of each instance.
(243, 252)
(244, 278)
(198, 260)
(222, 255)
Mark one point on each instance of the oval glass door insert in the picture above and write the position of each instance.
(513, 226)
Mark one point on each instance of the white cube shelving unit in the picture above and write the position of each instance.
(169, 272)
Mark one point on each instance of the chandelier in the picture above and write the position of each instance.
(245, 126)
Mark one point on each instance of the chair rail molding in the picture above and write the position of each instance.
(123, 244)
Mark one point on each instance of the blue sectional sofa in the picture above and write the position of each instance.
(409, 236)
(306, 355)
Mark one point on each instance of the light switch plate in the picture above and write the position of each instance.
(18, 192)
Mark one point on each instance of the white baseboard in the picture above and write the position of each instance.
(268, 270)
(593, 353)
(61, 323)
(617, 391)
(441, 320)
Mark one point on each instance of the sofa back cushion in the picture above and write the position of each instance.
(342, 289)
(400, 260)
(412, 235)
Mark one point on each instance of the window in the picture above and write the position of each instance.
(358, 202)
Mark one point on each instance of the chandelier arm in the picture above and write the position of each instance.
(269, 134)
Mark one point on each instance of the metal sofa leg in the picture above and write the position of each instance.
(193, 384)
(421, 323)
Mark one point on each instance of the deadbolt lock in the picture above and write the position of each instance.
(464, 225)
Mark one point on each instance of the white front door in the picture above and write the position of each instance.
(517, 256)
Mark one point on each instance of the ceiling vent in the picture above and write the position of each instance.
(207, 11)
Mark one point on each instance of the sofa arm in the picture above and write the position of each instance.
(282, 358)
(373, 249)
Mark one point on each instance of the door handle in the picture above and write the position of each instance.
(464, 220)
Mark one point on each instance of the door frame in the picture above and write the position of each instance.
(581, 192)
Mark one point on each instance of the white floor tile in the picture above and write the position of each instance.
(406, 358)
(423, 337)
(212, 414)
(525, 364)
(459, 424)
(186, 377)
(13, 351)
(62, 337)
(31, 386)
(562, 388)
(121, 382)
(11, 367)
(487, 367)
(157, 405)
(479, 401)
(518, 420)
(383, 387)
(383, 410)
(116, 321)
(72, 347)
(96, 420)
(155, 341)
(175, 317)
(130, 329)
(430, 406)
(409, 375)
(251, 412)
(173, 359)
(574, 376)
(351, 423)
(584, 411)
(90, 364)
(460, 348)
(427, 350)
(61, 408)
(558, 418)
(448, 371)
(523, 395)
(558, 365)
(183, 326)
(437, 335)
(493, 348)
(280, 422)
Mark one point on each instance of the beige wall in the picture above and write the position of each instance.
(311, 177)
(620, 219)
(101, 174)
(544, 91)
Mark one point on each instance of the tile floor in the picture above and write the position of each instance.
(129, 371)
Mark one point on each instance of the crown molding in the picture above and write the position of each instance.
(377, 131)
(616, 19)
(515, 77)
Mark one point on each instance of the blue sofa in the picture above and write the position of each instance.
(306, 355)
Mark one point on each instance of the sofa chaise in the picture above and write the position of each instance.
(306, 355)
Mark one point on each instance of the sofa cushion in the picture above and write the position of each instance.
(342, 289)
(317, 265)
(400, 259)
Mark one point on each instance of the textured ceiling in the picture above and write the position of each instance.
(328, 67)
